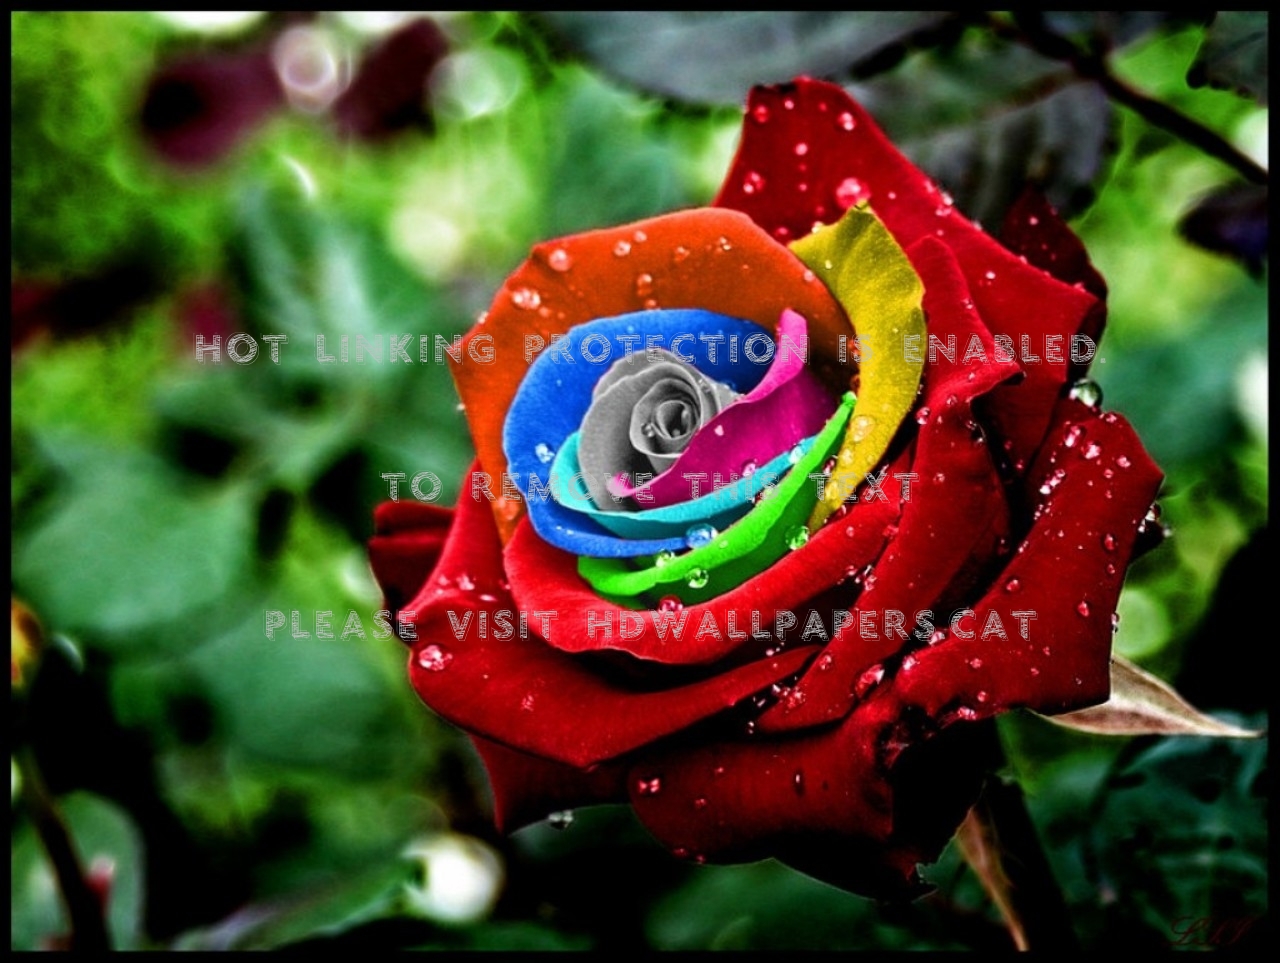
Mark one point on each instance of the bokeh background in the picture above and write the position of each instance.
(184, 175)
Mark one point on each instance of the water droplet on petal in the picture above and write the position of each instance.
(622, 249)
(862, 426)
(434, 659)
(981, 696)
(825, 662)
(1072, 436)
(760, 114)
(1109, 542)
(937, 636)
(562, 819)
(922, 415)
(698, 578)
(543, 452)
(1123, 462)
(465, 583)
(1091, 451)
(851, 191)
(649, 787)
(700, 535)
(975, 663)
(1012, 585)
(526, 299)
(868, 680)
(1087, 392)
(560, 260)
(797, 537)
(797, 782)
(1083, 608)
(847, 121)
(752, 183)
(679, 253)
(644, 285)
(801, 149)
(748, 469)
(665, 557)
(670, 603)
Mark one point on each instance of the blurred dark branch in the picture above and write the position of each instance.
(83, 904)
(1030, 29)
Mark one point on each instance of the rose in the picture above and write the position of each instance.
(1023, 506)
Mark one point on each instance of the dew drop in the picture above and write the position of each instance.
(981, 696)
(760, 113)
(560, 260)
(465, 583)
(922, 415)
(1123, 462)
(868, 680)
(434, 659)
(797, 537)
(622, 249)
(526, 299)
(937, 636)
(679, 253)
(700, 802)
(699, 535)
(561, 819)
(846, 121)
(649, 787)
(1083, 608)
(796, 453)
(1087, 392)
(975, 663)
(797, 782)
(1012, 585)
(1109, 542)
(543, 452)
(851, 191)
(748, 469)
(665, 557)
(670, 603)
(752, 183)
(825, 662)
(698, 578)
(724, 244)
(644, 285)
(862, 426)
(1091, 451)
(1072, 436)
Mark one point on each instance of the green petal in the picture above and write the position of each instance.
(870, 275)
(743, 550)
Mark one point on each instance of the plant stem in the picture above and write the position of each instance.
(1000, 843)
(1029, 29)
(83, 906)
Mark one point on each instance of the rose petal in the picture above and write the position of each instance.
(528, 788)
(546, 578)
(719, 508)
(710, 259)
(555, 395)
(747, 548)
(872, 277)
(847, 158)
(612, 437)
(957, 499)
(527, 695)
(1066, 574)
(787, 405)
(824, 801)
(407, 542)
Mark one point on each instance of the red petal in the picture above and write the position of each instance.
(712, 259)
(846, 157)
(823, 801)
(527, 695)
(409, 538)
(946, 527)
(527, 788)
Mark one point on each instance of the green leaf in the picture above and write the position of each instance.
(103, 835)
(1180, 832)
(1142, 705)
(1234, 54)
(716, 57)
(133, 545)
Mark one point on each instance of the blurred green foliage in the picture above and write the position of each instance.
(256, 792)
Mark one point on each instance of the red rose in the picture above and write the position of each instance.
(816, 746)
